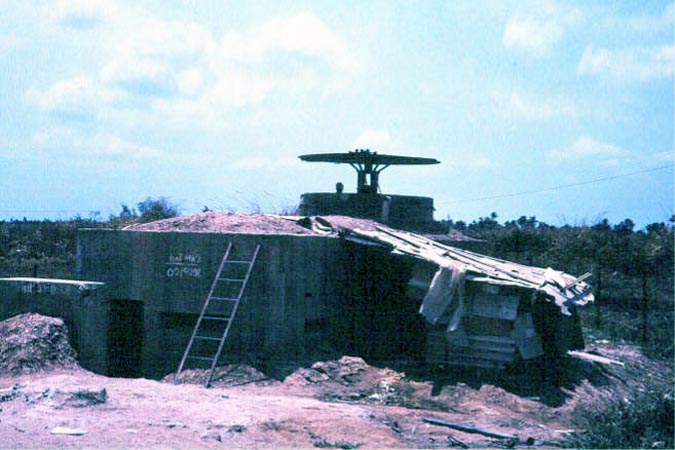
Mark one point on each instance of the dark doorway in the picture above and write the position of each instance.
(125, 338)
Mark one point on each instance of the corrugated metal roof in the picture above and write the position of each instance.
(563, 288)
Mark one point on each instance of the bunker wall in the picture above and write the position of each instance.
(296, 281)
(82, 306)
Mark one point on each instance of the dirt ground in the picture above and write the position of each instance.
(48, 401)
(145, 413)
(348, 405)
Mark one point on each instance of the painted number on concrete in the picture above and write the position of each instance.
(38, 288)
(184, 265)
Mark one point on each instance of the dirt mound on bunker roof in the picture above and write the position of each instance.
(31, 343)
(220, 222)
(217, 222)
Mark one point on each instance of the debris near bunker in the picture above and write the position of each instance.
(229, 375)
(349, 378)
(32, 343)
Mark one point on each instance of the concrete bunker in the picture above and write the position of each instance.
(309, 295)
(322, 286)
(83, 306)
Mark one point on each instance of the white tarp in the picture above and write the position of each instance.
(445, 294)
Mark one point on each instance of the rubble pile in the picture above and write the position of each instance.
(224, 376)
(31, 343)
(350, 379)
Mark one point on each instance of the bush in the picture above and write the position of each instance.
(157, 209)
(646, 421)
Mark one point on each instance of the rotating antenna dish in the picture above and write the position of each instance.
(368, 165)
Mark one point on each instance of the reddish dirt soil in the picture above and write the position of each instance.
(339, 404)
(144, 413)
(345, 403)
(217, 222)
(220, 222)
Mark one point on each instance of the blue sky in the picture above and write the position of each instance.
(106, 102)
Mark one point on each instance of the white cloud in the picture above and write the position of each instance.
(538, 27)
(180, 73)
(372, 139)
(588, 149)
(532, 36)
(10, 42)
(82, 13)
(520, 106)
(236, 90)
(664, 156)
(641, 64)
(303, 33)
(114, 146)
(189, 82)
(69, 143)
(78, 96)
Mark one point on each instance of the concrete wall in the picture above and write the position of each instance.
(78, 303)
(390, 209)
(297, 280)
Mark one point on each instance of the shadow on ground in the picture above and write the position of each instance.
(546, 380)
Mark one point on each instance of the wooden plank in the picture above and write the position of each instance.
(594, 358)
(469, 428)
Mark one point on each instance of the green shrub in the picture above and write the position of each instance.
(645, 421)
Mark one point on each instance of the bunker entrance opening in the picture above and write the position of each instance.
(125, 338)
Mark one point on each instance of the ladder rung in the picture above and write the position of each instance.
(208, 338)
(202, 358)
(216, 318)
(223, 299)
(229, 319)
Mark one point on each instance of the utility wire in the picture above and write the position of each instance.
(555, 188)
(477, 199)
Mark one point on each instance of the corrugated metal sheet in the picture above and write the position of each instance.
(492, 352)
(483, 327)
(566, 290)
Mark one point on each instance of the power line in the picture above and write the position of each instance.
(561, 186)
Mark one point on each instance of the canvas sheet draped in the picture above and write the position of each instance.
(445, 294)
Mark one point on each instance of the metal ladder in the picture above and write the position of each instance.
(228, 319)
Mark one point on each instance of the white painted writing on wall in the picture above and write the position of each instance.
(190, 258)
(38, 288)
(184, 265)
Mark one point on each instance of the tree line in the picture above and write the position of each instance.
(632, 270)
(46, 248)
